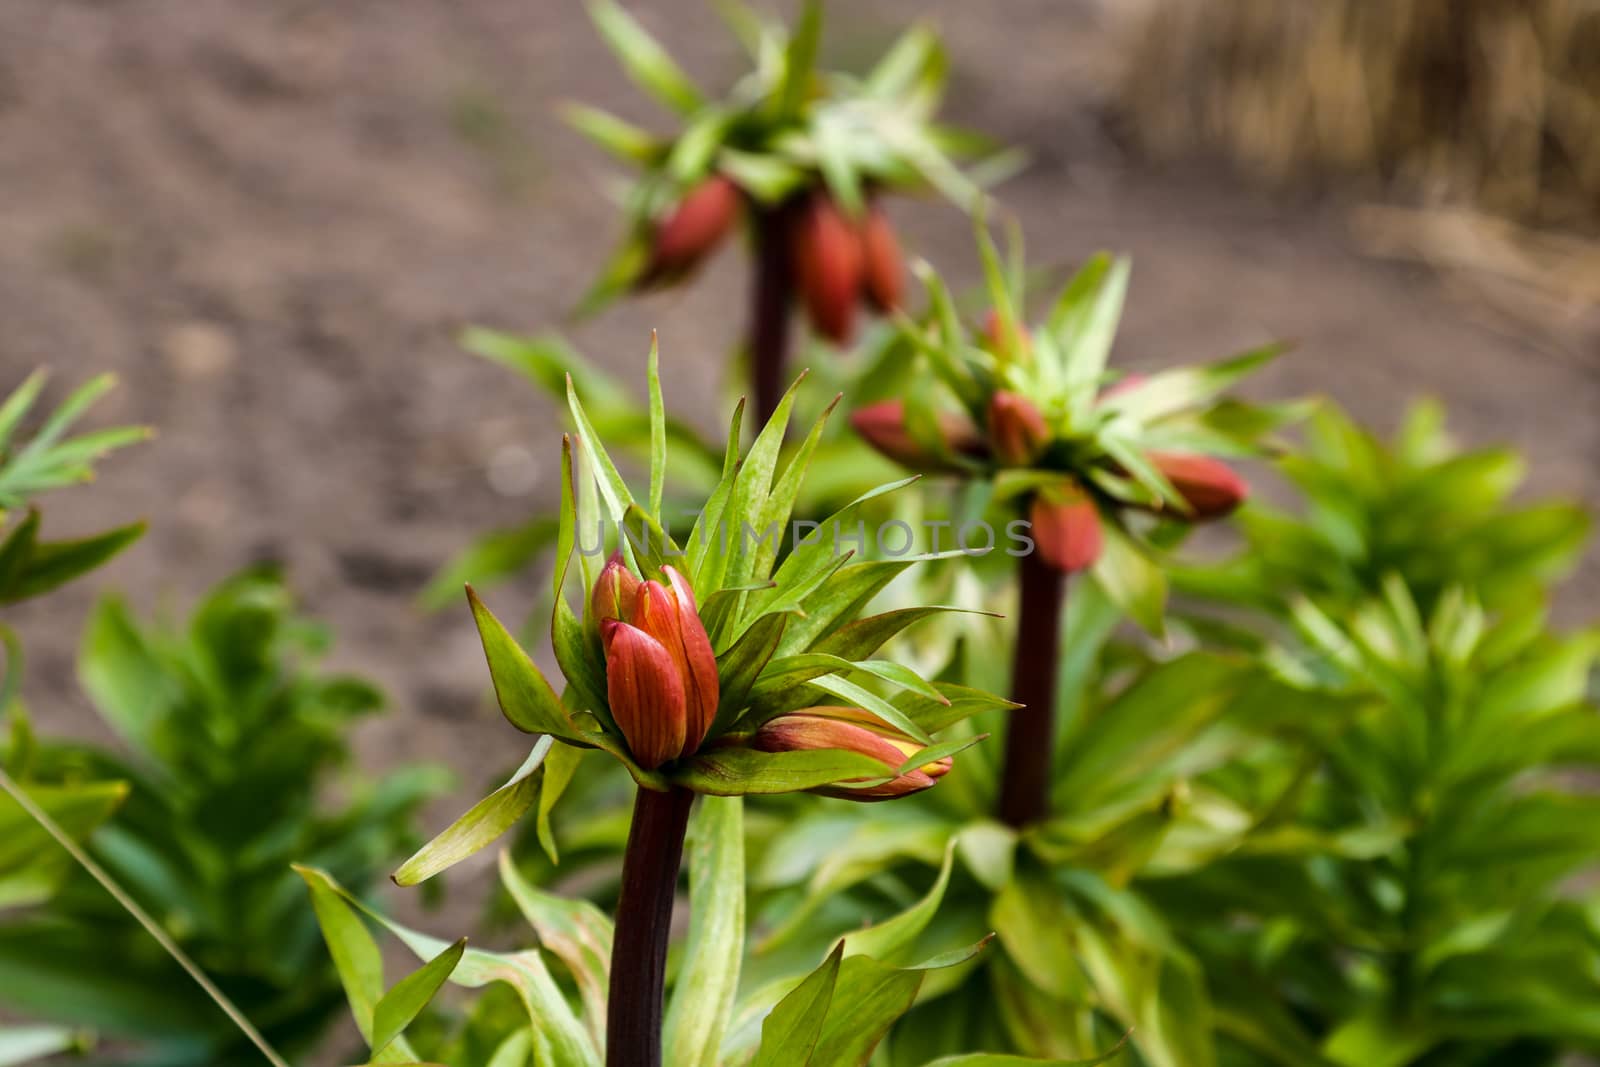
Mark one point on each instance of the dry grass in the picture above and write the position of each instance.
(1488, 109)
(1489, 103)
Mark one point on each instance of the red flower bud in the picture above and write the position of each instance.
(883, 426)
(693, 229)
(1017, 431)
(882, 264)
(667, 613)
(827, 267)
(1066, 528)
(645, 691)
(852, 730)
(615, 591)
(995, 336)
(1211, 488)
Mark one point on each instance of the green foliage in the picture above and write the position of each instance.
(232, 737)
(1418, 506)
(51, 460)
(784, 127)
(1432, 839)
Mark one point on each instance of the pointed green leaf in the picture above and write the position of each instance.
(402, 1004)
(524, 696)
(485, 821)
(645, 61)
(702, 1000)
(790, 1032)
(577, 932)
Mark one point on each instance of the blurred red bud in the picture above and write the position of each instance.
(1066, 528)
(693, 229)
(852, 730)
(883, 426)
(828, 267)
(646, 694)
(615, 591)
(883, 267)
(994, 333)
(1017, 430)
(1211, 488)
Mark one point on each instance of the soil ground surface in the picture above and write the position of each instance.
(271, 217)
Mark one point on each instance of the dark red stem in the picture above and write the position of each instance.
(644, 920)
(771, 296)
(1030, 730)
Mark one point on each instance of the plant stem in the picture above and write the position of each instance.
(151, 927)
(644, 919)
(771, 295)
(1030, 731)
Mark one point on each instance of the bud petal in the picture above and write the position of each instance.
(883, 426)
(702, 687)
(1017, 431)
(828, 267)
(615, 591)
(693, 229)
(883, 267)
(827, 728)
(1066, 528)
(645, 692)
(1211, 488)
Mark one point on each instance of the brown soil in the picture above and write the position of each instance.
(270, 217)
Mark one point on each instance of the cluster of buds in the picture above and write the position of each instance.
(663, 690)
(840, 262)
(853, 730)
(1066, 516)
(661, 674)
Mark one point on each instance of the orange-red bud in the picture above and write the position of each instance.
(883, 268)
(1017, 431)
(883, 426)
(646, 694)
(828, 267)
(615, 591)
(1211, 488)
(852, 730)
(1066, 528)
(994, 333)
(667, 613)
(693, 229)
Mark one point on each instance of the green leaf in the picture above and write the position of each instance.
(624, 140)
(25, 1044)
(1166, 392)
(494, 557)
(32, 866)
(799, 61)
(355, 954)
(402, 1004)
(658, 430)
(889, 940)
(702, 1000)
(51, 564)
(577, 932)
(559, 767)
(868, 997)
(790, 1032)
(1133, 581)
(991, 1059)
(485, 821)
(645, 61)
(524, 696)
(731, 772)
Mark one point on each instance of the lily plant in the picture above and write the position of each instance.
(737, 663)
(802, 155)
(1103, 469)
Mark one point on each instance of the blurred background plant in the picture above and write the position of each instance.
(232, 765)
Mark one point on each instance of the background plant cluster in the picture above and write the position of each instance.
(1339, 812)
